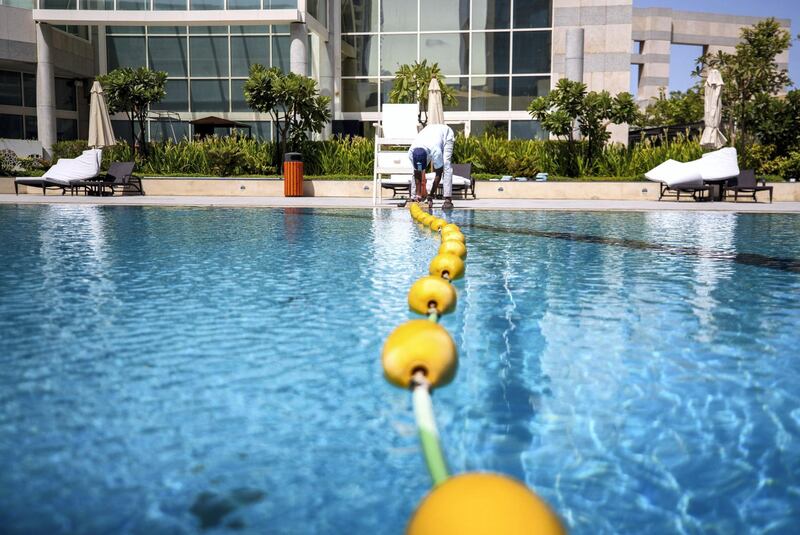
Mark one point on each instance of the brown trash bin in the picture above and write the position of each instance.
(293, 174)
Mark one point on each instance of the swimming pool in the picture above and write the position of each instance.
(172, 370)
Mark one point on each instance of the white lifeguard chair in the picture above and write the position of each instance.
(394, 135)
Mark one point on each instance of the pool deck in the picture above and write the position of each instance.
(350, 202)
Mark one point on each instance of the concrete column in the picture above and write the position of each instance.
(298, 50)
(102, 51)
(573, 60)
(654, 73)
(45, 90)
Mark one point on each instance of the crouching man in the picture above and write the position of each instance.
(433, 145)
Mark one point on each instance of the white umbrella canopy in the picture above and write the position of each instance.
(435, 106)
(100, 132)
(712, 138)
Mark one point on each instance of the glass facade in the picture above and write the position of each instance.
(494, 53)
(18, 106)
(317, 8)
(206, 66)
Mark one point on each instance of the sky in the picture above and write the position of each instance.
(683, 56)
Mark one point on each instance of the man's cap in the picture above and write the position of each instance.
(419, 157)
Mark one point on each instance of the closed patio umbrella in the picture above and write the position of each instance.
(100, 132)
(712, 138)
(435, 106)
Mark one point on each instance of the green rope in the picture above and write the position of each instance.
(434, 457)
(428, 434)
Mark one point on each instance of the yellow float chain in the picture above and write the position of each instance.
(421, 355)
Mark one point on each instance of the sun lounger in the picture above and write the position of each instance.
(119, 176)
(66, 173)
(746, 183)
(463, 180)
(696, 176)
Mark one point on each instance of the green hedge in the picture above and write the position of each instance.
(490, 157)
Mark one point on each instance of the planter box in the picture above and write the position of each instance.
(253, 187)
(273, 187)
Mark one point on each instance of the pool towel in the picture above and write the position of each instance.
(68, 170)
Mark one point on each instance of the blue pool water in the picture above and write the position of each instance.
(185, 370)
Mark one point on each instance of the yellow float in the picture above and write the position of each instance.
(450, 227)
(419, 345)
(432, 292)
(447, 266)
(453, 235)
(437, 224)
(453, 247)
(480, 504)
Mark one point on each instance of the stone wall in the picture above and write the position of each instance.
(656, 29)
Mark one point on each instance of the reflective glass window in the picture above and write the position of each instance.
(280, 52)
(31, 127)
(125, 52)
(58, 4)
(527, 130)
(259, 129)
(210, 95)
(461, 88)
(490, 128)
(177, 97)
(531, 52)
(319, 10)
(238, 103)
(244, 4)
(126, 30)
(29, 90)
(438, 15)
(532, 13)
(280, 4)
(10, 88)
(169, 130)
(133, 5)
(360, 55)
(65, 94)
(491, 52)
(97, 4)
(66, 129)
(11, 126)
(489, 94)
(525, 88)
(449, 50)
(209, 56)
(174, 5)
(491, 14)
(167, 30)
(249, 30)
(200, 5)
(397, 50)
(359, 16)
(399, 16)
(207, 30)
(359, 95)
(246, 51)
(168, 54)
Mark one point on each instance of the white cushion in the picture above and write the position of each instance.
(674, 173)
(68, 170)
(718, 165)
(457, 180)
(397, 180)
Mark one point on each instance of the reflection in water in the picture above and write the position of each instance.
(712, 234)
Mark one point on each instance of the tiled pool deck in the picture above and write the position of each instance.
(350, 202)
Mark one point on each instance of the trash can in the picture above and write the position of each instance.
(292, 174)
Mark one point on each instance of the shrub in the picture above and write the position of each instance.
(68, 149)
(8, 162)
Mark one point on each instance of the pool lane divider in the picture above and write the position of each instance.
(420, 355)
